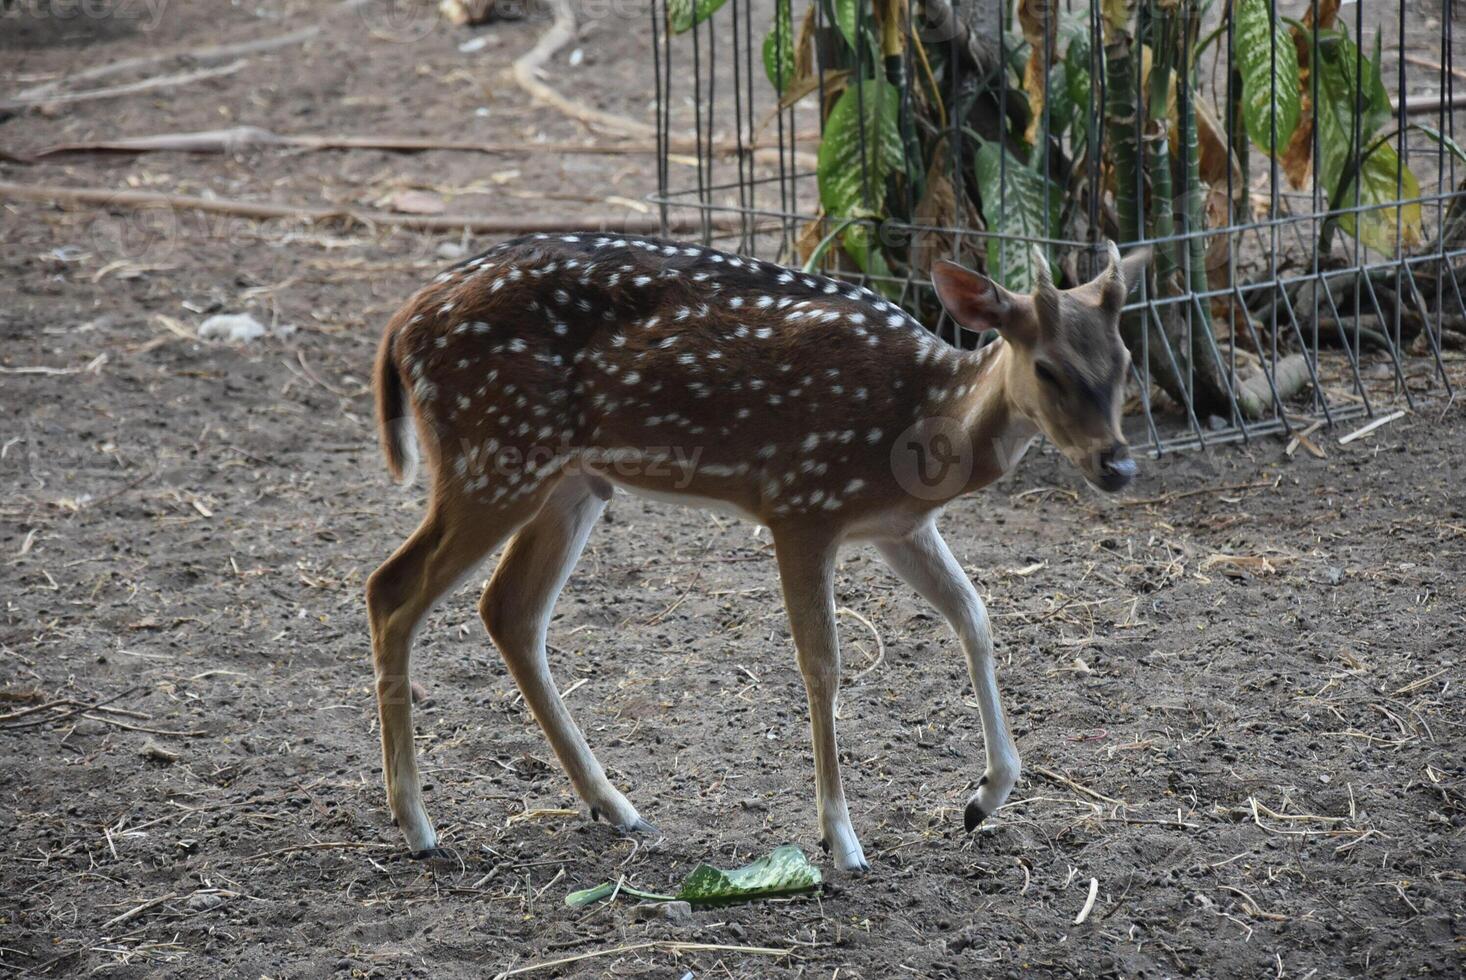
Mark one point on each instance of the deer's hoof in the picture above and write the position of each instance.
(429, 854)
(640, 826)
(635, 825)
(973, 816)
(848, 854)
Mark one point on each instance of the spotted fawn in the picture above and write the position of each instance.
(539, 375)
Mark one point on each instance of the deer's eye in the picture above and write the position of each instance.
(1046, 375)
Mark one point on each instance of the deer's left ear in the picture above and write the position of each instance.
(978, 303)
(1132, 267)
(1121, 276)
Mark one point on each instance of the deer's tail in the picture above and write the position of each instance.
(394, 425)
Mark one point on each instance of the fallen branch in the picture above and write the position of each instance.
(77, 708)
(1429, 105)
(526, 74)
(1255, 394)
(487, 224)
(1088, 902)
(116, 91)
(1166, 498)
(220, 52)
(880, 644)
(91, 367)
(1367, 429)
(242, 137)
(663, 945)
(138, 910)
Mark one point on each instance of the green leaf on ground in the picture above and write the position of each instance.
(606, 889)
(786, 871)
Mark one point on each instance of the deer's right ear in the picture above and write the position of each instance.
(977, 303)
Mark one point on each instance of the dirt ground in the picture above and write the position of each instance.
(1236, 690)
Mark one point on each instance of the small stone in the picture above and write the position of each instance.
(158, 753)
(238, 327)
(204, 901)
(676, 913)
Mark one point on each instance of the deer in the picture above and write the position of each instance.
(535, 378)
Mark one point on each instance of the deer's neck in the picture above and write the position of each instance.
(997, 432)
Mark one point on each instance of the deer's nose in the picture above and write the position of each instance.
(1116, 468)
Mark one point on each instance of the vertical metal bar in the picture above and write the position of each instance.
(703, 194)
(743, 176)
(1273, 203)
(661, 116)
(1235, 307)
(1315, 226)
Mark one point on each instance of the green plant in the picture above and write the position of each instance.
(896, 113)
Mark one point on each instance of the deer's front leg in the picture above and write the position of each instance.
(925, 562)
(806, 571)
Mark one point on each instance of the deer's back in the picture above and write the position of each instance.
(772, 377)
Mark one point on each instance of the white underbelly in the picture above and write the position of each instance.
(687, 500)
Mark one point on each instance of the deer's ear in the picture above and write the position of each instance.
(978, 303)
(1132, 267)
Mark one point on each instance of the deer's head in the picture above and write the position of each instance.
(1068, 365)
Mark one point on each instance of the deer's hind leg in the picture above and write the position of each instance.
(452, 540)
(516, 608)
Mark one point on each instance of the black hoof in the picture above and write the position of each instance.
(641, 827)
(429, 854)
(973, 816)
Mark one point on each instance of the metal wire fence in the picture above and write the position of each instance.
(1294, 167)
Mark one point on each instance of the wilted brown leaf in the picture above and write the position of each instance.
(1040, 22)
(810, 236)
(1297, 159)
(938, 207)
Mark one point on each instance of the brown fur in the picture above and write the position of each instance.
(550, 367)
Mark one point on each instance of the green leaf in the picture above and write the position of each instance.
(1077, 87)
(784, 872)
(1383, 179)
(1268, 100)
(858, 244)
(847, 19)
(606, 889)
(1339, 143)
(779, 48)
(1020, 202)
(1441, 138)
(684, 15)
(860, 149)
